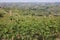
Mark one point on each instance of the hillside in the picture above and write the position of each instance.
(32, 21)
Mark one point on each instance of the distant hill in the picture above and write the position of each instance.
(34, 8)
(31, 4)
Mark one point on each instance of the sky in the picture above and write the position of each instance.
(29, 0)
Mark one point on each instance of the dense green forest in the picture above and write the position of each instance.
(30, 23)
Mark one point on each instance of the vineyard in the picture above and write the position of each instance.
(15, 25)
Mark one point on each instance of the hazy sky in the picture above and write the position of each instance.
(29, 0)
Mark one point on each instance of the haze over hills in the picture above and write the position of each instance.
(27, 4)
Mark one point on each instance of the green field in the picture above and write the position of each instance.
(21, 24)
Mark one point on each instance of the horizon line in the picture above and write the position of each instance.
(29, 2)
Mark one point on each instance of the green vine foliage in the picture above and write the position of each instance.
(29, 27)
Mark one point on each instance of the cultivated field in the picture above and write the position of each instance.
(30, 23)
